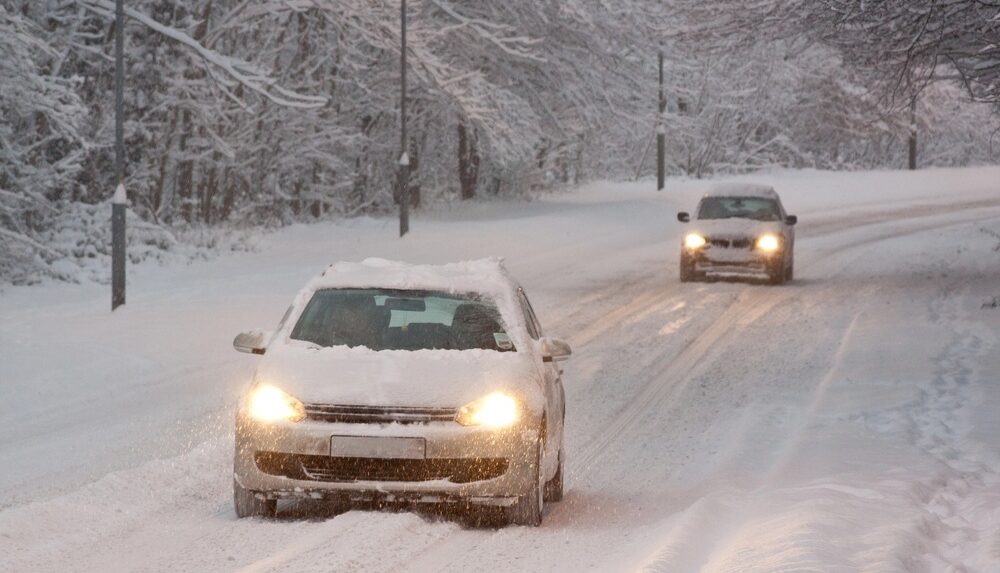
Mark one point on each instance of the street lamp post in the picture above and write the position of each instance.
(119, 201)
(404, 159)
(661, 167)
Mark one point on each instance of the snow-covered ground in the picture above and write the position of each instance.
(844, 422)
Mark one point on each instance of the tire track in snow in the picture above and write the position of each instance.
(673, 373)
(797, 433)
(684, 546)
(920, 227)
(852, 220)
(934, 431)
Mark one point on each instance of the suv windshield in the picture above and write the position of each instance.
(756, 208)
(390, 319)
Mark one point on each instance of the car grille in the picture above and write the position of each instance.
(346, 470)
(378, 414)
(733, 243)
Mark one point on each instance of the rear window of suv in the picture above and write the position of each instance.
(393, 319)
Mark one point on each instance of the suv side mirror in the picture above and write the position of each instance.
(252, 342)
(684, 217)
(791, 219)
(555, 350)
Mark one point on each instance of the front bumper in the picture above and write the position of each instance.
(741, 262)
(459, 463)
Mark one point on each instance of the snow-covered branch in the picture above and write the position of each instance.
(245, 73)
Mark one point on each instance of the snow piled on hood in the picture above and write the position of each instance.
(361, 376)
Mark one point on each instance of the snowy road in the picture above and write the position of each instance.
(844, 422)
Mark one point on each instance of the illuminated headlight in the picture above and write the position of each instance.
(498, 410)
(694, 241)
(768, 243)
(269, 404)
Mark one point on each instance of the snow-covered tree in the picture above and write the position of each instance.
(271, 111)
(42, 141)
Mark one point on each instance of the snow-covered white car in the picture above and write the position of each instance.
(415, 383)
(741, 229)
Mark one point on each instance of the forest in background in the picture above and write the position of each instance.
(242, 114)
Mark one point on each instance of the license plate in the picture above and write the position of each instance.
(377, 447)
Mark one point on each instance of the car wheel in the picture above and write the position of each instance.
(790, 272)
(776, 273)
(527, 510)
(688, 274)
(554, 487)
(247, 503)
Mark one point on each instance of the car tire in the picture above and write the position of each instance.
(790, 271)
(247, 504)
(528, 508)
(776, 273)
(554, 487)
(688, 274)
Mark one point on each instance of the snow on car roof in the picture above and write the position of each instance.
(483, 275)
(742, 190)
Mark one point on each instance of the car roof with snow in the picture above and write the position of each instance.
(483, 275)
(742, 190)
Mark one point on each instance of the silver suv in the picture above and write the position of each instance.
(741, 230)
(395, 382)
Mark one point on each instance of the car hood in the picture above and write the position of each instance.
(735, 228)
(430, 378)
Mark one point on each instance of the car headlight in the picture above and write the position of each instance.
(269, 404)
(768, 243)
(694, 241)
(498, 410)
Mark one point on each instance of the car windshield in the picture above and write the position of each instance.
(392, 319)
(756, 208)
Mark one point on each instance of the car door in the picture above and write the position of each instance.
(552, 380)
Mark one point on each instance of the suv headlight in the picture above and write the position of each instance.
(498, 410)
(694, 241)
(269, 404)
(768, 243)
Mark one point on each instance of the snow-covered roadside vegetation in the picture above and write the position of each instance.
(272, 112)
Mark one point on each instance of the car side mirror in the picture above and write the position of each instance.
(555, 350)
(684, 217)
(791, 219)
(252, 342)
